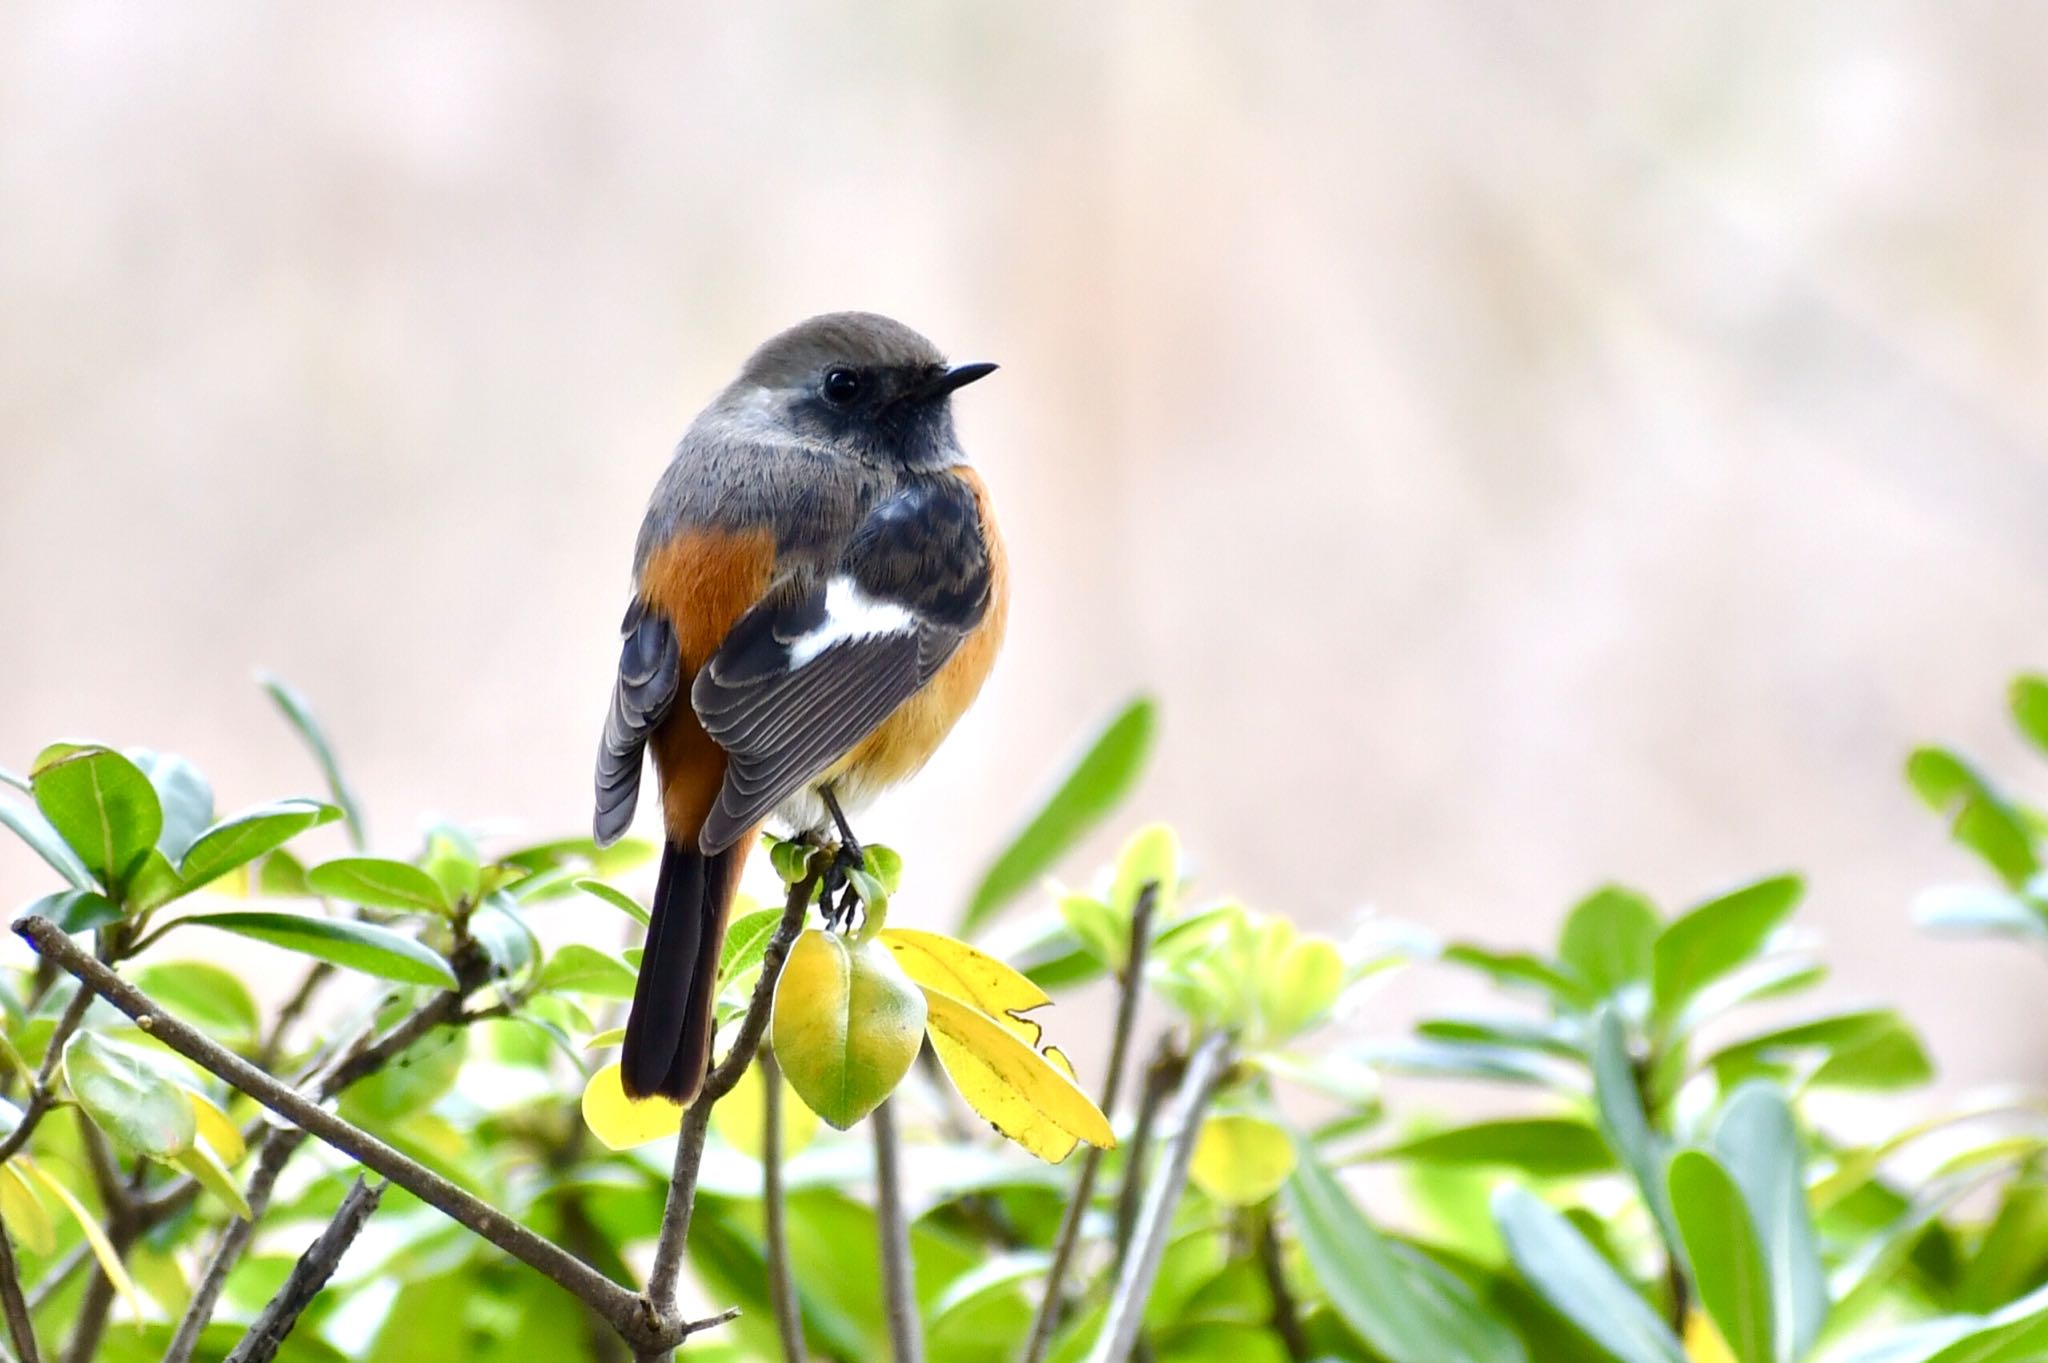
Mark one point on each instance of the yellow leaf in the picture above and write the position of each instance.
(610, 1036)
(102, 1249)
(622, 1122)
(974, 977)
(1012, 1086)
(1241, 1159)
(217, 1131)
(741, 1119)
(847, 1025)
(1703, 1343)
(24, 1212)
(200, 1162)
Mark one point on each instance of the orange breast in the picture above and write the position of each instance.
(913, 733)
(703, 581)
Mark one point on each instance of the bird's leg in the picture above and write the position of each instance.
(847, 857)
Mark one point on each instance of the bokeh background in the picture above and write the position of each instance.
(1521, 445)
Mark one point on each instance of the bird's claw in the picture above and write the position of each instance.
(838, 883)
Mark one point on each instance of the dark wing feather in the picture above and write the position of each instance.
(783, 712)
(650, 676)
(783, 728)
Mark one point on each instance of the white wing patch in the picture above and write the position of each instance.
(850, 613)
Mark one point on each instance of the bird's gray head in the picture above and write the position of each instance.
(857, 382)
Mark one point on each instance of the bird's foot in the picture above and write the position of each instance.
(838, 885)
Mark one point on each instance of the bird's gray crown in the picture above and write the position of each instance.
(863, 339)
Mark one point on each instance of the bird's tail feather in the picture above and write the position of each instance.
(668, 1030)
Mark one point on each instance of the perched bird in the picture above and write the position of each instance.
(820, 591)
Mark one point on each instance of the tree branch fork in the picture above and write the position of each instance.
(647, 1321)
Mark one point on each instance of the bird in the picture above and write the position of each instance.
(819, 592)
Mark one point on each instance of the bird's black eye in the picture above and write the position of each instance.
(842, 386)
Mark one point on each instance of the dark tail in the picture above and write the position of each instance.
(668, 1031)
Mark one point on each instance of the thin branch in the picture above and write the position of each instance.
(19, 1328)
(1141, 1265)
(659, 1304)
(1286, 1311)
(619, 1305)
(234, 1239)
(308, 1276)
(899, 1280)
(1130, 988)
(294, 1008)
(39, 1098)
(789, 1321)
(122, 1231)
(1160, 1076)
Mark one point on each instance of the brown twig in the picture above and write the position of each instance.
(658, 1306)
(789, 1321)
(1286, 1310)
(620, 1306)
(899, 1275)
(360, 1059)
(1160, 1076)
(40, 1097)
(1162, 1194)
(308, 1276)
(1130, 989)
(19, 1328)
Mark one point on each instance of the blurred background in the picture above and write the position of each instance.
(1520, 445)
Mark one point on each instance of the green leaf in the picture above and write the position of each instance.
(77, 911)
(32, 828)
(579, 969)
(746, 942)
(199, 1161)
(379, 883)
(2012, 1255)
(153, 883)
(1619, 1103)
(184, 795)
(1758, 1140)
(241, 838)
(451, 861)
(361, 947)
(1298, 987)
(1097, 928)
(1542, 1147)
(501, 930)
(1520, 970)
(1980, 817)
(128, 1097)
(618, 899)
(2030, 708)
(847, 1024)
(1092, 787)
(1403, 1305)
(205, 995)
(103, 807)
(1150, 856)
(300, 715)
(1608, 938)
(1727, 1260)
(1576, 1280)
(1713, 939)
(1877, 1049)
(1884, 1059)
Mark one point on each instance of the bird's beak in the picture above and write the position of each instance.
(959, 376)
